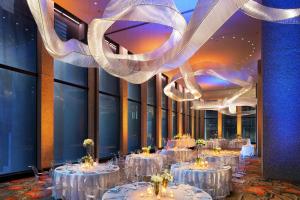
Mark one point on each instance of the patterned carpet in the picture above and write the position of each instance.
(253, 187)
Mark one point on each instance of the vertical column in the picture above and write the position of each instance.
(220, 125)
(239, 121)
(259, 110)
(124, 116)
(45, 107)
(281, 108)
(93, 105)
(144, 114)
(158, 111)
(202, 124)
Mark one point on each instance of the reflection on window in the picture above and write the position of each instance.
(17, 121)
(109, 124)
(134, 126)
(17, 36)
(151, 124)
(249, 125)
(164, 128)
(211, 124)
(164, 98)
(229, 126)
(70, 122)
(174, 123)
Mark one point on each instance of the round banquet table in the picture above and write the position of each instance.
(143, 164)
(143, 190)
(238, 143)
(247, 150)
(214, 179)
(223, 158)
(213, 143)
(74, 182)
(177, 155)
(181, 143)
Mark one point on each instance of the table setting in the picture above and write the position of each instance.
(238, 143)
(177, 154)
(144, 164)
(145, 190)
(77, 181)
(212, 178)
(181, 141)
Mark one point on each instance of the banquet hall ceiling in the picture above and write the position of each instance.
(235, 46)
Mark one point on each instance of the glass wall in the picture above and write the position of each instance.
(211, 124)
(151, 114)
(249, 125)
(109, 114)
(70, 100)
(18, 87)
(134, 117)
(164, 106)
(229, 126)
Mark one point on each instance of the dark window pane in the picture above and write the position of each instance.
(211, 124)
(17, 36)
(17, 121)
(109, 125)
(151, 124)
(108, 83)
(134, 126)
(70, 73)
(164, 98)
(249, 127)
(174, 105)
(70, 122)
(174, 123)
(151, 98)
(134, 92)
(164, 128)
(229, 127)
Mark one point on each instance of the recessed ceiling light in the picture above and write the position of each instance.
(3, 17)
(250, 55)
(242, 38)
(17, 23)
(223, 36)
(95, 3)
(248, 41)
(233, 37)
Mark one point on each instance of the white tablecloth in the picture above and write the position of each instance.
(181, 143)
(247, 150)
(177, 155)
(73, 182)
(214, 180)
(238, 143)
(138, 191)
(224, 158)
(143, 165)
(213, 143)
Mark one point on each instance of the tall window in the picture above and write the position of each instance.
(70, 100)
(18, 78)
(188, 125)
(211, 124)
(174, 117)
(229, 126)
(180, 88)
(109, 117)
(151, 114)
(134, 117)
(164, 106)
(249, 125)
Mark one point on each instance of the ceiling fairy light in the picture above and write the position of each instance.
(184, 42)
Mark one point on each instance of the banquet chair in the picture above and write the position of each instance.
(38, 175)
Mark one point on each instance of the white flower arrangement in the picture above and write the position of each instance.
(156, 179)
(88, 142)
(167, 176)
(200, 142)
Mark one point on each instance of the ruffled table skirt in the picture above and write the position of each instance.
(215, 181)
(177, 155)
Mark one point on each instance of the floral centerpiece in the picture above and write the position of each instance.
(166, 178)
(177, 137)
(200, 162)
(217, 150)
(146, 150)
(200, 143)
(156, 180)
(239, 137)
(88, 160)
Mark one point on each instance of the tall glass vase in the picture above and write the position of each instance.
(199, 151)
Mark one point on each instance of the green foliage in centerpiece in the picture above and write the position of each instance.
(200, 142)
(88, 160)
(146, 149)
